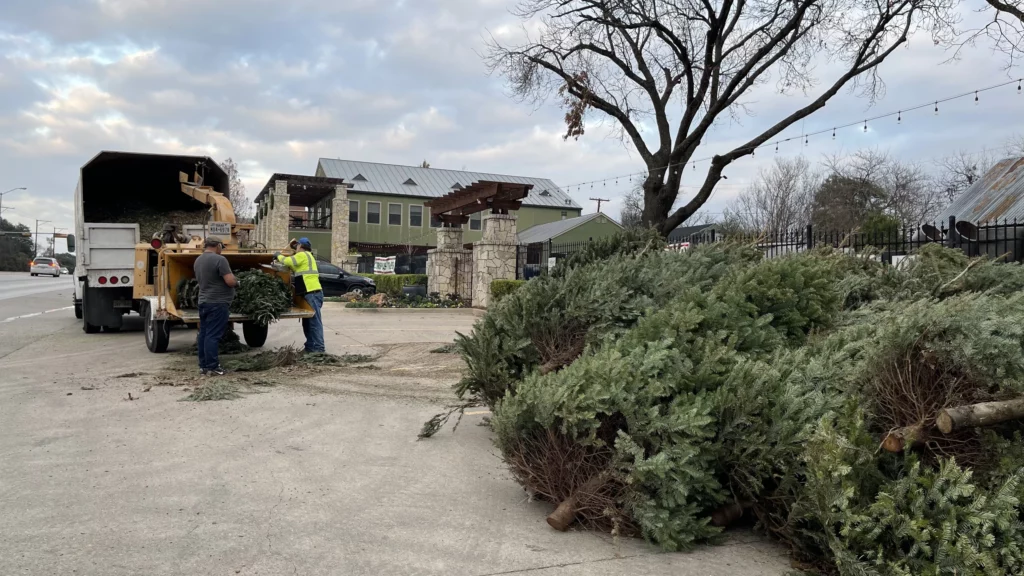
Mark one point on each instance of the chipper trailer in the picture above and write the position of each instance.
(116, 273)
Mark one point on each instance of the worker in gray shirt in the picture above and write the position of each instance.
(216, 291)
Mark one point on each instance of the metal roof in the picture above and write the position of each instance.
(999, 195)
(545, 232)
(683, 232)
(434, 182)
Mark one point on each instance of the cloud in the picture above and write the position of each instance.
(276, 85)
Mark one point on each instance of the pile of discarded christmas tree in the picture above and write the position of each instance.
(865, 416)
(260, 296)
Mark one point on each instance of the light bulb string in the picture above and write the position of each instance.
(805, 136)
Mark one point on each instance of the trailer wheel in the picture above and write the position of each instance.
(255, 335)
(158, 332)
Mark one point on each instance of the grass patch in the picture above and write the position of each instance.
(214, 390)
(291, 356)
(449, 348)
(360, 305)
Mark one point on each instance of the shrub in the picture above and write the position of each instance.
(392, 284)
(502, 288)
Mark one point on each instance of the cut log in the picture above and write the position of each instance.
(565, 513)
(984, 414)
(900, 439)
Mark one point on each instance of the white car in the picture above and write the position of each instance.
(47, 266)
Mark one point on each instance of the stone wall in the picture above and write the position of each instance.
(339, 227)
(494, 257)
(450, 266)
(278, 219)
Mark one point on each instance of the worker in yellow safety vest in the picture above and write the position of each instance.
(306, 277)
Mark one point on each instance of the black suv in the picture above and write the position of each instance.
(336, 281)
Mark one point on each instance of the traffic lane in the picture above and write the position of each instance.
(15, 285)
(29, 295)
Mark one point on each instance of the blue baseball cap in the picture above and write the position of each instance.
(305, 242)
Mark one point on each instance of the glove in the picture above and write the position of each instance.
(276, 255)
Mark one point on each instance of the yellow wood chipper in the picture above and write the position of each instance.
(118, 272)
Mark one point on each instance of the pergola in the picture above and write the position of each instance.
(454, 208)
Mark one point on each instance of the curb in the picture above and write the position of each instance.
(340, 306)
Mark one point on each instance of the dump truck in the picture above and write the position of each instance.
(117, 271)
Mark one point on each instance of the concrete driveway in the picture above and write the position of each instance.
(321, 475)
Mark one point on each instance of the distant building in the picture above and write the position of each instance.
(581, 229)
(386, 201)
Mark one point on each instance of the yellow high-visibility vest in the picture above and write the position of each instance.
(303, 264)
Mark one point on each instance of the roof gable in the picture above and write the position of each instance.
(371, 177)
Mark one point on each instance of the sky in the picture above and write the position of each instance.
(277, 85)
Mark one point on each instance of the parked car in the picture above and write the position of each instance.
(64, 271)
(45, 266)
(336, 281)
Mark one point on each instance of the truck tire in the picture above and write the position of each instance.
(78, 310)
(158, 332)
(255, 335)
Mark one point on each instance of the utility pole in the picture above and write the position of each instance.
(8, 192)
(599, 201)
(53, 241)
(36, 252)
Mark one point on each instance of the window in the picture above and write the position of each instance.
(474, 221)
(326, 268)
(353, 210)
(564, 214)
(435, 222)
(373, 212)
(394, 214)
(416, 216)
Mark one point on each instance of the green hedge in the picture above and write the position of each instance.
(392, 284)
(502, 288)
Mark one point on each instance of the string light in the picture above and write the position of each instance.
(899, 120)
(807, 140)
(975, 97)
(865, 125)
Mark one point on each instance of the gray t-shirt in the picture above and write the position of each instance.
(210, 269)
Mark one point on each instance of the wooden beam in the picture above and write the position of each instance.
(464, 197)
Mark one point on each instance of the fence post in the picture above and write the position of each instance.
(952, 238)
(810, 237)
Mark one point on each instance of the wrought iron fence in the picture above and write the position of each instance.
(537, 258)
(1003, 240)
(310, 223)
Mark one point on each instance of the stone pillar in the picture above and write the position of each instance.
(278, 219)
(494, 256)
(450, 266)
(339, 227)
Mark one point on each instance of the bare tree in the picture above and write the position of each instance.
(871, 183)
(958, 171)
(639, 61)
(1004, 29)
(632, 215)
(243, 206)
(779, 200)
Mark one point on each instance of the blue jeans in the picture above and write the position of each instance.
(313, 328)
(213, 320)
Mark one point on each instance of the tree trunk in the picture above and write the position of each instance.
(984, 414)
(565, 513)
(900, 439)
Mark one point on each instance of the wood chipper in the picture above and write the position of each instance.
(173, 252)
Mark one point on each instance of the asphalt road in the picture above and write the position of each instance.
(106, 472)
(32, 308)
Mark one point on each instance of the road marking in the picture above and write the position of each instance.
(13, 318)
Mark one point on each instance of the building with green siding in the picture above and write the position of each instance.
(386, 201)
